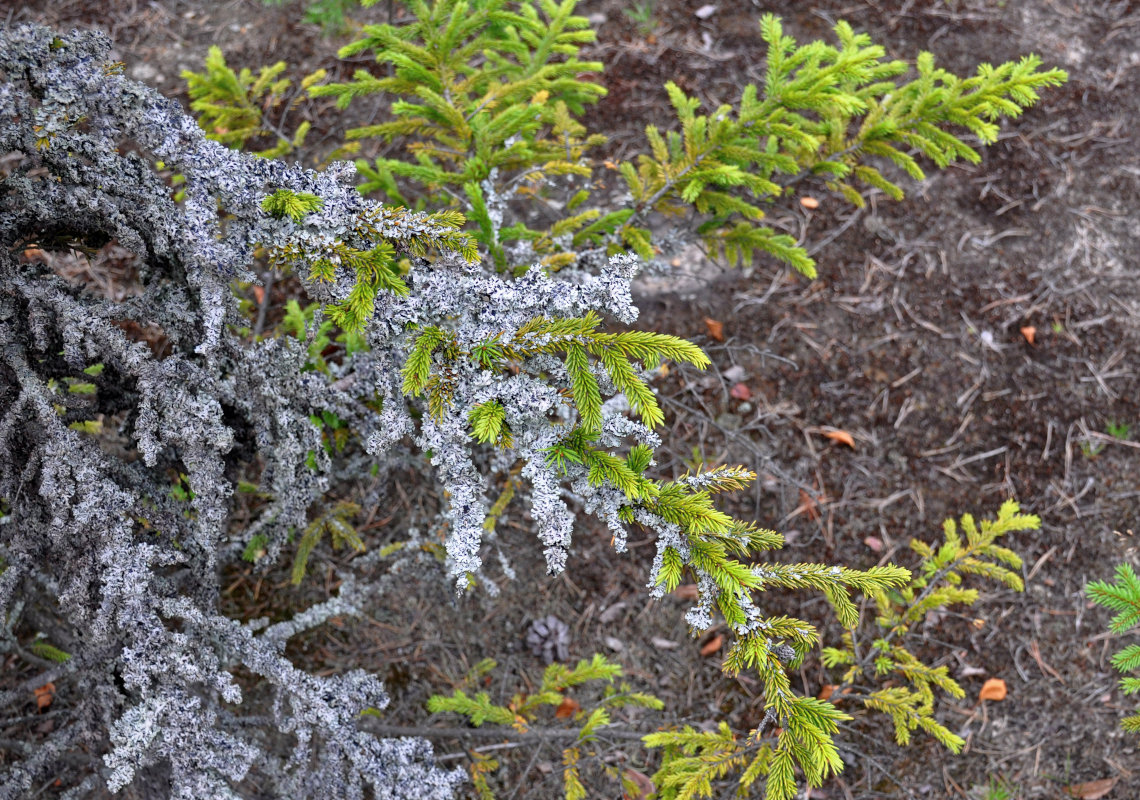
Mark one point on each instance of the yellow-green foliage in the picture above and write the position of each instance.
(488, 99)
(875, 655)
(490, 92)
(45, 649)
(578, 339)
(335, 523)
(231, 106)
(694, 763)
(1123, 597)
(526, 709)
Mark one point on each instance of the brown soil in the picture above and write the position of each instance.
(910, 340)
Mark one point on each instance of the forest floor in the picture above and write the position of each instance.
(914, 340)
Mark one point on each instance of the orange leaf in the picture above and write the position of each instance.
(259, 294)
(741, 392)
(712, 645)
(1093, 790)
(993, 689)
(643, 785)
(827, 690)
(843, 437)
(686, 591)
(44, 695)
(716, 328)
(809, 203)
(567, 708)
(1030, 333)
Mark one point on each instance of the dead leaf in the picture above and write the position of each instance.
(716, 328)
(741, 392)
(875, 543)
(686, 591)
(1030, 333)
(712, 645)
(808, 505)
(843, 437)
(978, 623)
(259, 294)
(993, 689)
(643, 785)
(704, 12)
(809, 203)
(827, 690)
(567, 708)
(664, 644)
(1093, 790)
(44, 695)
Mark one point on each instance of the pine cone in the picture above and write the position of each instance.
(550, 638)
(785, 653)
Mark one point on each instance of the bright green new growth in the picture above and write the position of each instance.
(725, 550)
(45, 649)
(489, 115)
(287, 203)
(874, 656)
(524, 710)
(1123, 597)
(231, 106)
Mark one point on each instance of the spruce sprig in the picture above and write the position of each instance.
(1123, 596)
(968, 548)
(335, 523)
(489, 93)
(710, 540)
(367, 252)
(584, 348)
(231, 105)
(525, 709)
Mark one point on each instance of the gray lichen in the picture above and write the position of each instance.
(128, 572)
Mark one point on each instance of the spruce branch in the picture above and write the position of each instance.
(870, 657)
(1122, 596)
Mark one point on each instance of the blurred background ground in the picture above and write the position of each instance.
(912, 340)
